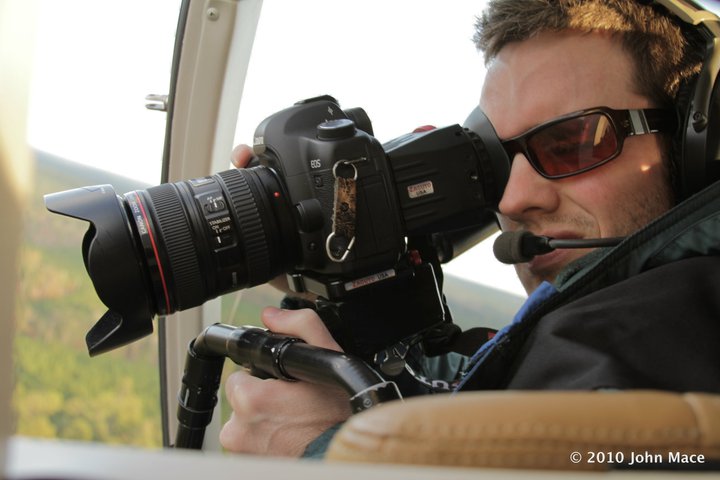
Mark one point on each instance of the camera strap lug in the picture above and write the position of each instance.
(342, 238)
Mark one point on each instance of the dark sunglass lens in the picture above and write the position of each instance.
(573, 145)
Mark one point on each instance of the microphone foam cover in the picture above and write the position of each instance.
(508, 247)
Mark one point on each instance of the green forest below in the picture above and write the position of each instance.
(59, 390)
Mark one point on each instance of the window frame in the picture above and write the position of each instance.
(212, 52)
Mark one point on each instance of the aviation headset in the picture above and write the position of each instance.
(697, 146)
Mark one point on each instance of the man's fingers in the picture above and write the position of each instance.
(304, 324)
(236, 384)
(241, 156)
(277, 417)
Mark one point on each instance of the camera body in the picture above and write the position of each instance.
(423, 183)
(362, 225)
(313, 146)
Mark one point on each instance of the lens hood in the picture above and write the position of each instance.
(111, 259)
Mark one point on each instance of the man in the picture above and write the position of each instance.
(575, 174)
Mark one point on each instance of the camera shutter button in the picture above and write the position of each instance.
(336, 129)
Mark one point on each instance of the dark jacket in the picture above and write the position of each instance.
(644, 315)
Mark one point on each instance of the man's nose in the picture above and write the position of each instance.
(527, 191)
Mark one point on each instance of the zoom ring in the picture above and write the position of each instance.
(180, 246)
(252, 232)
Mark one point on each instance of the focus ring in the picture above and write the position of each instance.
(180, 246)
(252, 232)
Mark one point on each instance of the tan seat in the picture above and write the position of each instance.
(538, 430)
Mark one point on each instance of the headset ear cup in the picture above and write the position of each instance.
(695, 161)
(678, 166)
(695, 149)
(712, 160)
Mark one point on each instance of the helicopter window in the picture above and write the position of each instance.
(94, 63)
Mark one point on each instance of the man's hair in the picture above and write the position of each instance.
(663, 53)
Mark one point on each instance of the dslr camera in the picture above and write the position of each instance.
(364, 226)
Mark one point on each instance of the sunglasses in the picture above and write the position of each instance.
(580, 141)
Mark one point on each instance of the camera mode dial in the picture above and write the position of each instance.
(339, 129)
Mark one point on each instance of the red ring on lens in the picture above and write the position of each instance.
(153, 245)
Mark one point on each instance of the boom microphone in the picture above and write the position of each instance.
(522, 246)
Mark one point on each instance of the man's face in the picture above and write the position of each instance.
(536, 80)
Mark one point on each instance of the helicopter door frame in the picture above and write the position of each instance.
(212, 52)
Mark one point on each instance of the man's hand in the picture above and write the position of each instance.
(276, 417)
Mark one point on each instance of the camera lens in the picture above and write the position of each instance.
(176, 245)
(204, 237)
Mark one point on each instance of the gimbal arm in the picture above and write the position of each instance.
(266, 354)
